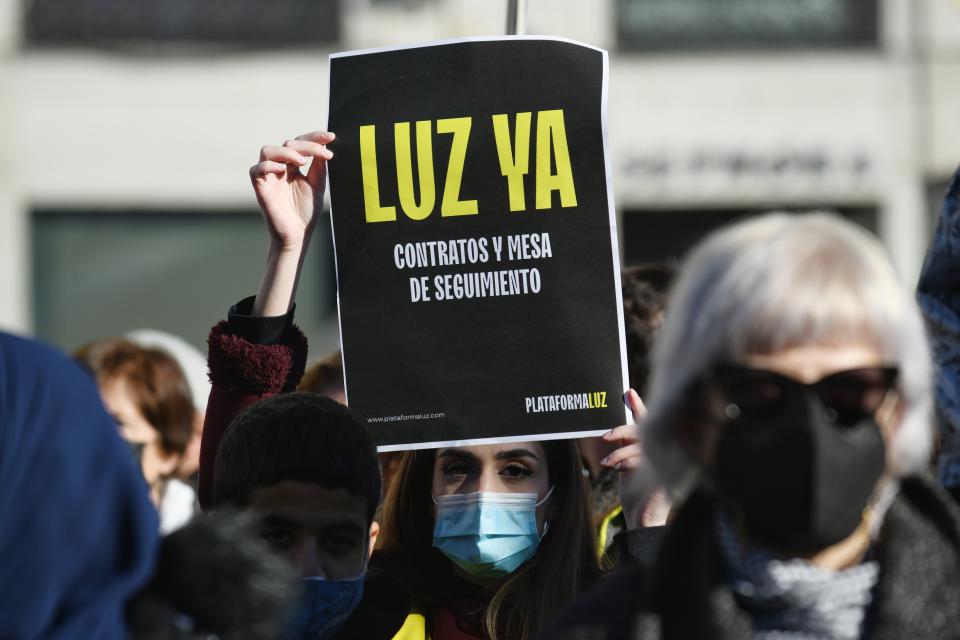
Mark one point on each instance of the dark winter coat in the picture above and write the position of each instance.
(686, 595)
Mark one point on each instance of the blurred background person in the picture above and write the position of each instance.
(789, 413)
(147, 394)
(644, 289)
(325, 376)
(194, 367)
(79, 536)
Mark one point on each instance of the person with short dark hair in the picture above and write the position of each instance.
(306, 467)
(278, 439)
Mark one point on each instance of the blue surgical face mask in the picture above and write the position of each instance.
(488, 534)
(324, 607)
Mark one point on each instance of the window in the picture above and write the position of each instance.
(98, 274)
(682, 25)
(247, 23)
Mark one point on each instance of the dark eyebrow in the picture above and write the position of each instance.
(349, 527)
(344, 528)
(517, 453)
(456, 453)
(501, 455)
(279, 521)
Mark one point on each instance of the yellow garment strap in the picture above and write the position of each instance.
(604, 526)
(414, 628)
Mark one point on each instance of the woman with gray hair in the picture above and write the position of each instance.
(789, 416)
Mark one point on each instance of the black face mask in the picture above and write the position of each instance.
(799, 479)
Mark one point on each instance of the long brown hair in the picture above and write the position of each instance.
(565, 562)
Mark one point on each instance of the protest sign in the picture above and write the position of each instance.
(475, 239)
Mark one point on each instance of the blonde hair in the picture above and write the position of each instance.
(779, 281)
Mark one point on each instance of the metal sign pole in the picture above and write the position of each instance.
(516, 17)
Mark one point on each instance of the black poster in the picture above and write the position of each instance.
(475, 237)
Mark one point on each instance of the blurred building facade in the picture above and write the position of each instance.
(128, 127)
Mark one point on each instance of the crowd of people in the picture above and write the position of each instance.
(792, 473)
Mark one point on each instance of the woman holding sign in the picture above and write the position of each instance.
(490, 540)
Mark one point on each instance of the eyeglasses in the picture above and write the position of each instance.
(849, 396)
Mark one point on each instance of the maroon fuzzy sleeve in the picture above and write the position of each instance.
(241, 373)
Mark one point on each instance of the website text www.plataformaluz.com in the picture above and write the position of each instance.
(411, 416)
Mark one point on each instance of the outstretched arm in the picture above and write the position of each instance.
(291, 203)
(258, 352)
